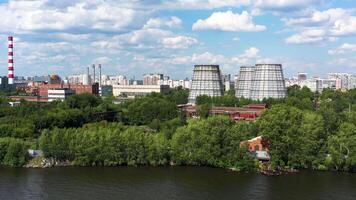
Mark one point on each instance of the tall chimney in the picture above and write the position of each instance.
(10, 60)
(93, 73)
(99, 75)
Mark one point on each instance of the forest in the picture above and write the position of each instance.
(307, 130)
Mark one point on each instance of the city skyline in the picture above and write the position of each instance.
(138, 37)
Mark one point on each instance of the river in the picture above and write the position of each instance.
(170, 183)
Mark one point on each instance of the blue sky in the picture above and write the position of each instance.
(133, 37)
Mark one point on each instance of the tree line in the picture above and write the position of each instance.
(306, 129)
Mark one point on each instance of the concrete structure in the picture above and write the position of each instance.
(152, 79)
(10, 60)
(59, 94)
(244, 81)
(132, 91)
(261, 81)
(206, 81)
(268, 82)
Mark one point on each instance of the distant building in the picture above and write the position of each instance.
(176, 83)
(59, 94)
(83, 79)
(206, 81)
(152, 79)
(105, 90)
(42, 88)
(227, 82)
(302, 76)
(132, 91)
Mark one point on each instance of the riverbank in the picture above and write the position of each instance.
(41, 163)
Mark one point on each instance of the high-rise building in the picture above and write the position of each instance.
(302, 76)
(152, 79)
(261, 81)
(206, 81)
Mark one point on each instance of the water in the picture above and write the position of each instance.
(170, 183)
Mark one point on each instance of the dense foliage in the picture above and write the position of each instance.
(306, 130)
(211, 142)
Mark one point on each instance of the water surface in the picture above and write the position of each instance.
(170, 183)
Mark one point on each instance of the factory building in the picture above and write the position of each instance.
(261, 81)
(59, 94)
(132, 91)
(42, 88)
(206, 81)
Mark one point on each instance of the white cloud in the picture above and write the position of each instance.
(179, 42)
(28, 16)
(328, 25)
(228, 21)
(283, 4)
(204, 4)
(343, 49)
(102, 60)
(308, 36)
(172, 22)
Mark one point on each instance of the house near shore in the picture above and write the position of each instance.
(258, 147)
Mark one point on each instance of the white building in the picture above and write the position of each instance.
(152, 79)
(59, 94)
(83, 79)
(176, 83)
(343, 80)
(133, 91)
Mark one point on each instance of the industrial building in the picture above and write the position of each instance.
(261, 81)
(206, 81)
(59, 94)
(133, 91)
(248, 113)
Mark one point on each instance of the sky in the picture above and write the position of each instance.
(134, 37)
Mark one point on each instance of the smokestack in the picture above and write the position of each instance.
(99, 75)
(93, 73)
(10, 60)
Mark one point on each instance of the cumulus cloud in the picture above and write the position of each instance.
(79, 15)
(172, 22)
(283, 4)
(204, 4)
(228, 21)
(343, 49)
(179, 42)
(328, 25)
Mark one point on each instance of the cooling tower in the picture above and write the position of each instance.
(268, 82)
(206, 81)
(244, 82)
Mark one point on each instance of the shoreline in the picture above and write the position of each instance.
(44, 163)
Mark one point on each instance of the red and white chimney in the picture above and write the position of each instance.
(11, 60)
